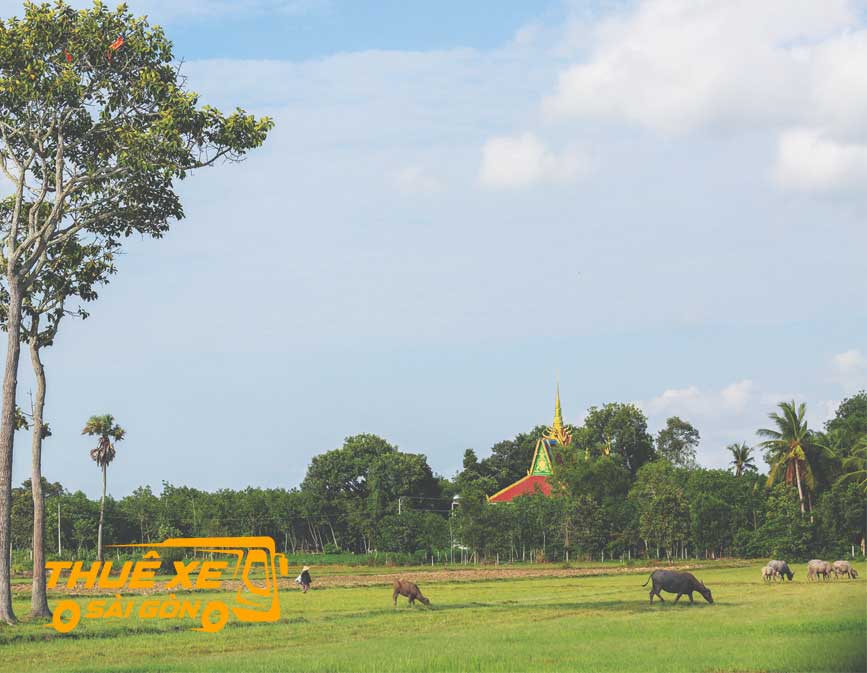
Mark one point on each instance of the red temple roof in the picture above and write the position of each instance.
(525, 486)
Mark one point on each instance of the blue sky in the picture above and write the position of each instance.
(662, 202)
(319, 28)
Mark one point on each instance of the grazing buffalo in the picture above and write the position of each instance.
(817, 567)
(768, 573)
(844, 568)
(782, 569)
(675, 582)
(410, 590)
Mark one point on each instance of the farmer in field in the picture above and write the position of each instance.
(304, 579)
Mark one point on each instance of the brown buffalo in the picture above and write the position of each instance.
(410, 590)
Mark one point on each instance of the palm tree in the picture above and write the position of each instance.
(742, 458)
(855, 465)
(785, 447)
(104, 428)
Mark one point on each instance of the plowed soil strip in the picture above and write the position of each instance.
(480, 574)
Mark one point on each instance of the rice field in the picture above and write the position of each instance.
(484, 620)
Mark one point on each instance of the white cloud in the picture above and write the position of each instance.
(693, 401)
(734, 412)
(518, 161)
(807, 159)
(675, 65)
(849, 370)
(736, 395)
(850, 362)
(723, 416)
(792, 68)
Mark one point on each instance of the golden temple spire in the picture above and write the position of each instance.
(557, 427)
(557, 431)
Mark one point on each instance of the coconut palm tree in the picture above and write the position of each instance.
(855, 465)
(742, 458)
(785, 447)
(104, 428)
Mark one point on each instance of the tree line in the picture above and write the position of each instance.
(619, 493)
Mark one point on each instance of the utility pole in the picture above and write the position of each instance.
(455, 500)
(59, 548)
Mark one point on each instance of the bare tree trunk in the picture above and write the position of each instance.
(798, 481)
(7, 439)
(38, 599)
(101, 516)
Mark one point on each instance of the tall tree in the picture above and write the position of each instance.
(352, 486)
(742, 458)
(850, 420)
(663, 510)
(72, 271)
(92, 141)
(103, 453)
(677, 442)
(619, 430)
(785, 446)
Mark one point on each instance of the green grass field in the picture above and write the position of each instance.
(594, 623)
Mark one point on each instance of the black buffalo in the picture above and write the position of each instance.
(676, 582)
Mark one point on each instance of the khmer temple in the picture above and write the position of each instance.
(542, 465)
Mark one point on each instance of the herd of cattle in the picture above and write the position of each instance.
(683, 583)
(780, 570)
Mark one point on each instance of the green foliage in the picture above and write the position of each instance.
(412, 530)
(785, 448)
(785, 534)
(850, 420)
(107, 430)
(663, 510)
(841, 518)
(620, 429)
(350, 490)
(510, 459)
(677, 442)
(854, 466)
(94, 145)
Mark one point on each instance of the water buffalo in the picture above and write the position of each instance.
(768, 573)
(675, 582)
(844, 568)
(410, 590)
(782, 569)
(818, 567)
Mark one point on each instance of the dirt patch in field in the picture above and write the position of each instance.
(478, 574)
